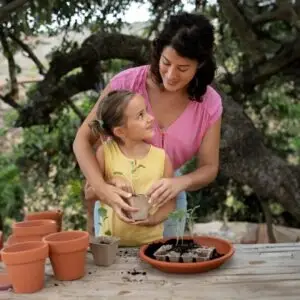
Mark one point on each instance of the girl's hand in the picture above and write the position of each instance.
(163, 191)
(121, 183)
(116, 199)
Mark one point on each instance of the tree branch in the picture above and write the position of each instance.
(30, 53)
(11, 7)
(10, 101)
(285, 12)
(257, 74)
(165, 6)
(75, 109)
(14, 89)
(97, 47)
(243, 30)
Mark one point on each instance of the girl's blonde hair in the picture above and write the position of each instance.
(110, 112)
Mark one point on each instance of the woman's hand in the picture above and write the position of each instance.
(164, 190)
(115, 198)
(121, 183)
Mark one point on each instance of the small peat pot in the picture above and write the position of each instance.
(141, 202)
(104, 249)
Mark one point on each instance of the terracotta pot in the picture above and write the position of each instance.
(25, 264)
(1, 242)
(104, 249)
(67, 253)
(5, 283)
(222, 246)
(33, 230)
(139, 201)
(12, 239)
(55, 215)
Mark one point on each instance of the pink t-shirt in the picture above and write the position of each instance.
(182, 139)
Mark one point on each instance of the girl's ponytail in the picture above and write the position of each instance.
(97, 127)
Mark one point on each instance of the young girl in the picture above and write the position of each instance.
(126, 159)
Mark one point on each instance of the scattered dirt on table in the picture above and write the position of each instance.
(134, 272)
(256, 262)
(123, 292)
(134, 276)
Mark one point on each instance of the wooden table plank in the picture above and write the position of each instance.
(267, 271)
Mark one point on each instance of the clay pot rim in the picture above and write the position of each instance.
(81, 235)
(116, 239)
(44, 212)
(34, 223)
(9, 249)
(39, 252)
(177, 267)
(13, 239)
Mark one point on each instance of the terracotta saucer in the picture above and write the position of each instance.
(4, 282)
(222, 246)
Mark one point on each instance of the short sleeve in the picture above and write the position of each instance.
(130, 79)
(214, 105)
(117, 82)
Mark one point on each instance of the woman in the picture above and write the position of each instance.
(187, 112)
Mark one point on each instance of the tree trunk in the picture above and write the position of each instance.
(245, 158)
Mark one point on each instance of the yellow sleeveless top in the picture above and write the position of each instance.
(146, 171)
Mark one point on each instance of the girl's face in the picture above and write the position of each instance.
(176, 71)
(138, 123)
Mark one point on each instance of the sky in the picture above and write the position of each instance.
(140, 12)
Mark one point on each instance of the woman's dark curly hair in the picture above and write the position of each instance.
(192, 36)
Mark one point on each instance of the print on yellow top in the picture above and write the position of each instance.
(142, 173)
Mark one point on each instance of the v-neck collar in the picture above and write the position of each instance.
(172, 124)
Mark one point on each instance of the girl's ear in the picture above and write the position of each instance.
(119, 132)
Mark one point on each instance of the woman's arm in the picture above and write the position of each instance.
(86, 158)
(85, 154)
(207, 161)
(207, 169)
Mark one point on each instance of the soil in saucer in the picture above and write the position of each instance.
(182, 247)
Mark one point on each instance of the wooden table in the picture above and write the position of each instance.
(266, 271)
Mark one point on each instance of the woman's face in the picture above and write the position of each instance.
(176, 71)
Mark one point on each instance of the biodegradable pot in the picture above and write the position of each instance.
(141, 202)
(55, 215)
(33, 230)
(104, 249)
(67, 252)
(187, 257)
(162, 252)
(173, 256)
(25, 265)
